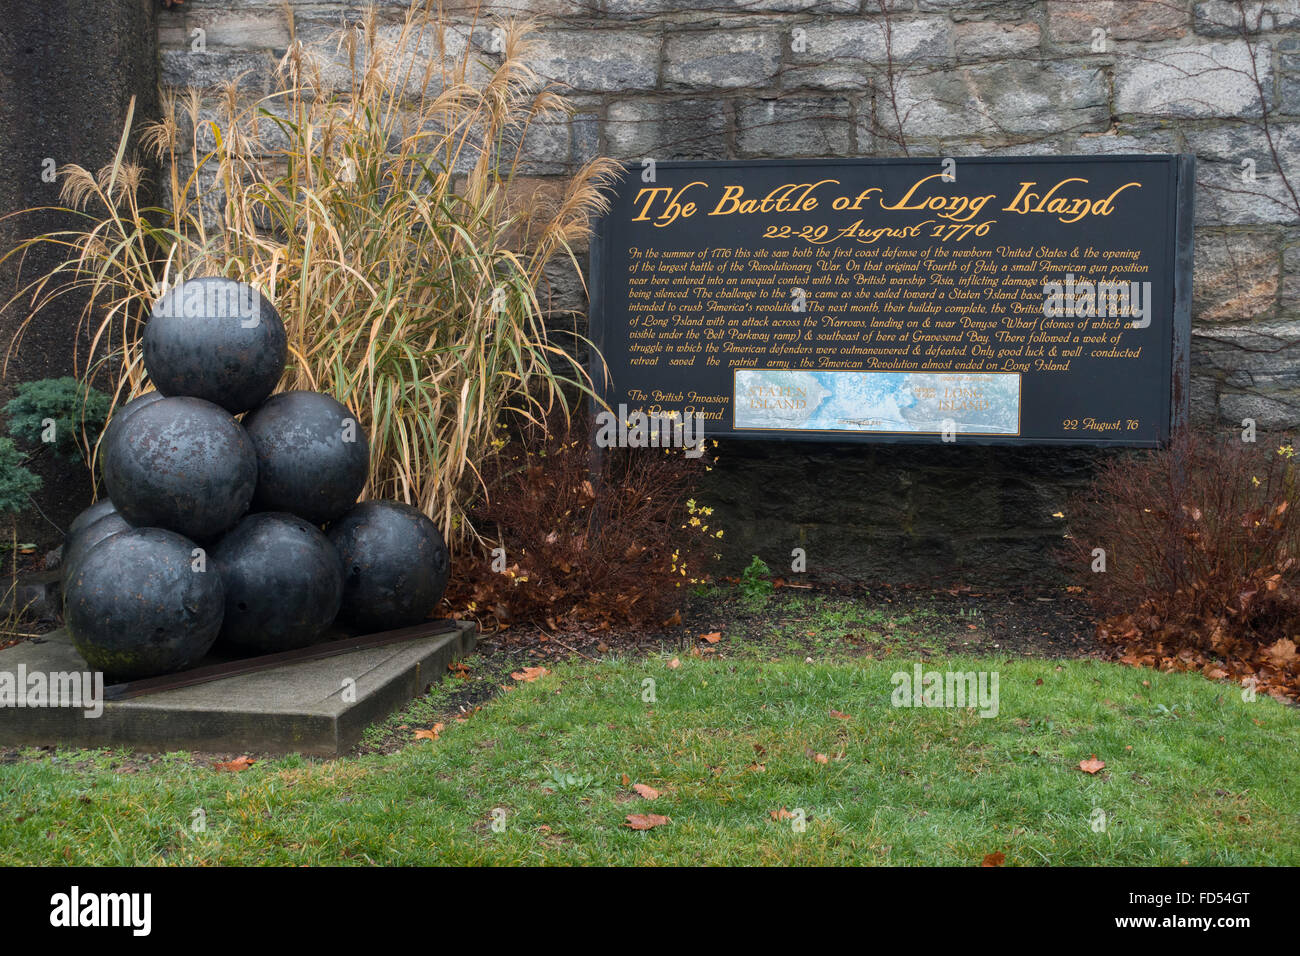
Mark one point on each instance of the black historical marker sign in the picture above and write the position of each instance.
(1009, 300)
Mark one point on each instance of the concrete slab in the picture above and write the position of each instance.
(317, 707)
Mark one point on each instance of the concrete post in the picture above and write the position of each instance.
(68, 70)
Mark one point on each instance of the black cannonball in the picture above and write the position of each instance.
(104, 506)
(394, 565)
(86, 538)
(121, 415)
(182, 464)
(312, 456)
(216, 339)
(140, 605)
(283, 583)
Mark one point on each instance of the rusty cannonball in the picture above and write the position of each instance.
(102, 507)
(183, 464)
(122, 415)
(215, 339)
(312, 455)
(77, 544)
(394, 562)
(283, 583)
(139, 605)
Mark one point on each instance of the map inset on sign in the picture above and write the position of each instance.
(973, 403)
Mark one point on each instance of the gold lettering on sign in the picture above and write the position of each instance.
(955, 208)
(1066, 209)
(930, 274)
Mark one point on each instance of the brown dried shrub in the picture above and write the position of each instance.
(1202, 556)
(604, 550)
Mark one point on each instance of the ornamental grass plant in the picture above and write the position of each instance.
(377, 196)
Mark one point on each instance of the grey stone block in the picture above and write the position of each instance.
(955, 148)
(1206, 80)
(1203, 401)
(1278, 411)
(676, 128)
(999, 99)
(1074, 22)
(829, 76)
(722, 58)
(1289, 93)
(1261, 358)
(1291, 277)
(216, 68)
(991, 38)
(248, 29)
(1127, 143)
(957, 7)
(796, 126)
(297, 708)
(1231, 194)
(864, 39)
(597, 60)
(1224, 18)
(546, 148)
(561, 290)
(640, 9)
(1235, 277)
(585, 131)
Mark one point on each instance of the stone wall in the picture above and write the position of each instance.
(808, 78)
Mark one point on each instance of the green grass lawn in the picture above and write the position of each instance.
(1194, 775)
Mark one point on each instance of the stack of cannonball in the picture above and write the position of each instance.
(231, 516)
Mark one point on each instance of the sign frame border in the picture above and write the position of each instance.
(1179, 261)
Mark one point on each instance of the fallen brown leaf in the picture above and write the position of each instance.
(1281, 651)
(645, 821)
(430, 734)
(239, 763)
(647, 793)
(994, 859)
(530, 674)
(1092, 765)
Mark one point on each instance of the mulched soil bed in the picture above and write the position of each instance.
(1022, 622)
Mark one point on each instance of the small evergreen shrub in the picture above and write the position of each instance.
(16, 482)
(63, 409)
